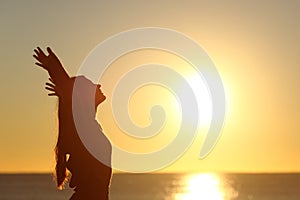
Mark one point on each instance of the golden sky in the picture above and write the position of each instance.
(253, 44)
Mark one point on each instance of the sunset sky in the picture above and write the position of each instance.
(254, 45)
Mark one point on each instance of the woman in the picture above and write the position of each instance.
(90, 177)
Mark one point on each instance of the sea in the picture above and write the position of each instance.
(201, 186)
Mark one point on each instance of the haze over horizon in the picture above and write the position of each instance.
(253, 44)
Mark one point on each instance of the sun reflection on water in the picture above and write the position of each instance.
(206, 186)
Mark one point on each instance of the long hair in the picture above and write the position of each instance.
(60, 153)
(65, 134)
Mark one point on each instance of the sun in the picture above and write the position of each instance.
(202, 96)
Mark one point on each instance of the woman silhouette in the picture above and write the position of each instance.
(90, 177)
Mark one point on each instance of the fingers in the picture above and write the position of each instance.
(40, 51)
(51, 80)
(52, 94)
(40, 54)
(36, 51)
(36, 57)
(50, 85)
(41, 65)
(49, 50)
(50, 89)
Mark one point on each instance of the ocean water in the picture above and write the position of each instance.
(206, 186)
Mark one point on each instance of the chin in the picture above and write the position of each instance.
(99, 101)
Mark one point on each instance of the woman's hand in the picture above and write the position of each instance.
(52, 64)
(47, 62)
(53, 89)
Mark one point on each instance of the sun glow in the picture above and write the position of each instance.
(202, 186)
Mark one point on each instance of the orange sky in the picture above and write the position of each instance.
(253, 44)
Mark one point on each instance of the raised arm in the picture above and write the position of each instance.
(52, 64)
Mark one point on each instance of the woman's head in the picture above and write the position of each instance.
(86, 92)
